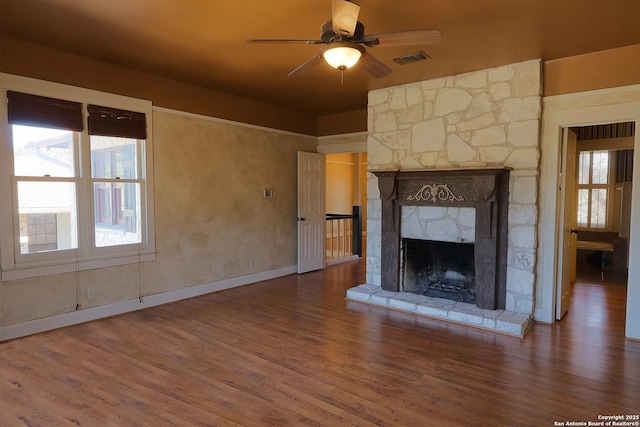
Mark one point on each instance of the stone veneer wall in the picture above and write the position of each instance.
(487, 118)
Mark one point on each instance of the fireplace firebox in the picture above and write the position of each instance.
(439, 269)
(486, 190)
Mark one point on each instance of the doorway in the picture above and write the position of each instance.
(601, 179)
(581, 109)
(346, 206)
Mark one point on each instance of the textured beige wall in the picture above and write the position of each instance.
(211, 216)
(212, 221)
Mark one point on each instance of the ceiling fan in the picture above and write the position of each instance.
(344, 41)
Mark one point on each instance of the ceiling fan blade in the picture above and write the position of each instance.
(344, 17)
(373, 65)
(285, 41)
(403, 38)
(302, 69)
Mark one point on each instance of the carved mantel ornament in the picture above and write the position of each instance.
(435, 192)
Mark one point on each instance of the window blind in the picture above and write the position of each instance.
(106, 121)
(35, 110)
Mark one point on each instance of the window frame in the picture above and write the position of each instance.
(609, 186)
(13, 264)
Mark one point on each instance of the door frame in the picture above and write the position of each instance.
(566, 222)
(582, 109)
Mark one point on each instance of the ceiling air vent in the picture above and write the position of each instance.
(411, 58)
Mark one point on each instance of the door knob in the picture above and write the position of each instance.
(301, 218)
(574, 231)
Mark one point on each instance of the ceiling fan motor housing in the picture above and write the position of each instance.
(327, 34)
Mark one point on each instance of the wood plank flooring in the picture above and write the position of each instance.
(292, 351)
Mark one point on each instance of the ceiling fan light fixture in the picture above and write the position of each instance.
(343, 41)
(342, 57)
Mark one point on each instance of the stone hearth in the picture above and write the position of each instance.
(468, 314)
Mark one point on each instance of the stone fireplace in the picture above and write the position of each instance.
(486, 190)
(486, 121)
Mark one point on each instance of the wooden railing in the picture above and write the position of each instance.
(344, 235)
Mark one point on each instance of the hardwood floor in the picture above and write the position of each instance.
(293, 351)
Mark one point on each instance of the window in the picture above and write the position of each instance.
(116, 184)
(78, 174)
(116, 145)
(594, 189)
(46, 185)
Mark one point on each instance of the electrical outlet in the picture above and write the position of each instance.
(91, 293)
(252, 263)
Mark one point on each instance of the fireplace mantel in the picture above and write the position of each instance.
(486, 190)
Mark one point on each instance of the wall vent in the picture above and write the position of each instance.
(411, 58)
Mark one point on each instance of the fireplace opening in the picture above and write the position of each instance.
(439, 269)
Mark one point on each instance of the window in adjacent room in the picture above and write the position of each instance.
(594, 189)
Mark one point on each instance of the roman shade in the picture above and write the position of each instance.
(41, 111)
(107, 121)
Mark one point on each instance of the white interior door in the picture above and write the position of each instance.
(567, 250)
(311, 211)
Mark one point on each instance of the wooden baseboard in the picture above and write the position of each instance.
(86, 315)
